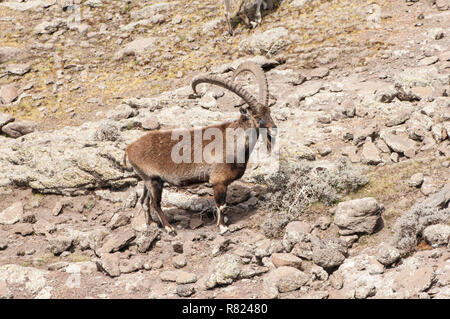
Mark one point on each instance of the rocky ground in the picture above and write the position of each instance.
(364, 81)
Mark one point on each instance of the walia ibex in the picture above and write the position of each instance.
(152, 156)
(241, 12)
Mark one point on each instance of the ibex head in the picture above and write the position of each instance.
(260, 115)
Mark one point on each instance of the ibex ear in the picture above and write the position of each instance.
(244, 112)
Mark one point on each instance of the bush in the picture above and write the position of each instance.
(298, 184)
(409, 227)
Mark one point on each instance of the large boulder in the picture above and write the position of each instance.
(268, 43)
(358, 216)
(67, 161)
(284, 279)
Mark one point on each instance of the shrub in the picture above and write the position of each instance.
(298, 184)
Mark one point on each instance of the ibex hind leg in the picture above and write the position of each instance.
(156, 187)
(220, 196)
(227, 16)
(145, 199)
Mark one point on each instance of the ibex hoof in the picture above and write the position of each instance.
(170, 230)
(223, 229)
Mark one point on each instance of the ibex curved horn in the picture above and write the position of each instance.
(260, 76)
(233, 87)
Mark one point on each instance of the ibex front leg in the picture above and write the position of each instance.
(227, 16)
(155, 187)
(220, 196)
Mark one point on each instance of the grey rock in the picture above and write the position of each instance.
(137, 47)
(398, 118)
(19, 128)
(296, 232)
(361, 134)
(107, 132)
(12, 214)
(284, 279)
(329, 254)
(151, 10)
(8, 93)
(437, 235)
(370, 154)
(131, 265)
(118, 242)
(43, 227)
(121, 112)
(110, 264)
(226, 270)
(358, 216)
(5, 293)
(49, 27)
(18, 69)
(5, 119)
(185, 290)
(82, 162)
(286, 259)
(428, 186)
(144, 239)
(399, 143)
(179, 261)
(267, 43)
(93, 3)
(59, 244)
(150, 123)
(299, 4)
(387, 254)
(118, 220)
(307, 89)
(31, 280)
(7, 53)
(420, 76)
(416, 180)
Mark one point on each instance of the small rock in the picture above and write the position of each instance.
(178, 276)
(428, 187)
(109, 263)
(18, 69)
(118, 242)
(284, 279)
(59, 244)
(226, 270)
(329, 254)
(286, 259)
(5, 119)
(177, 247)
(12, 214)
(179, 261)
(437, 235)
(387, 255)
(8, 93)
(185, 290)
(370, 154)
(23, 229)
(416, 180)
(324, 150)
(19, 128)
(151, 123)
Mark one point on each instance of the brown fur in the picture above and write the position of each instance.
(150, 155)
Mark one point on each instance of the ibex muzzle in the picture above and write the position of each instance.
(151, 156)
